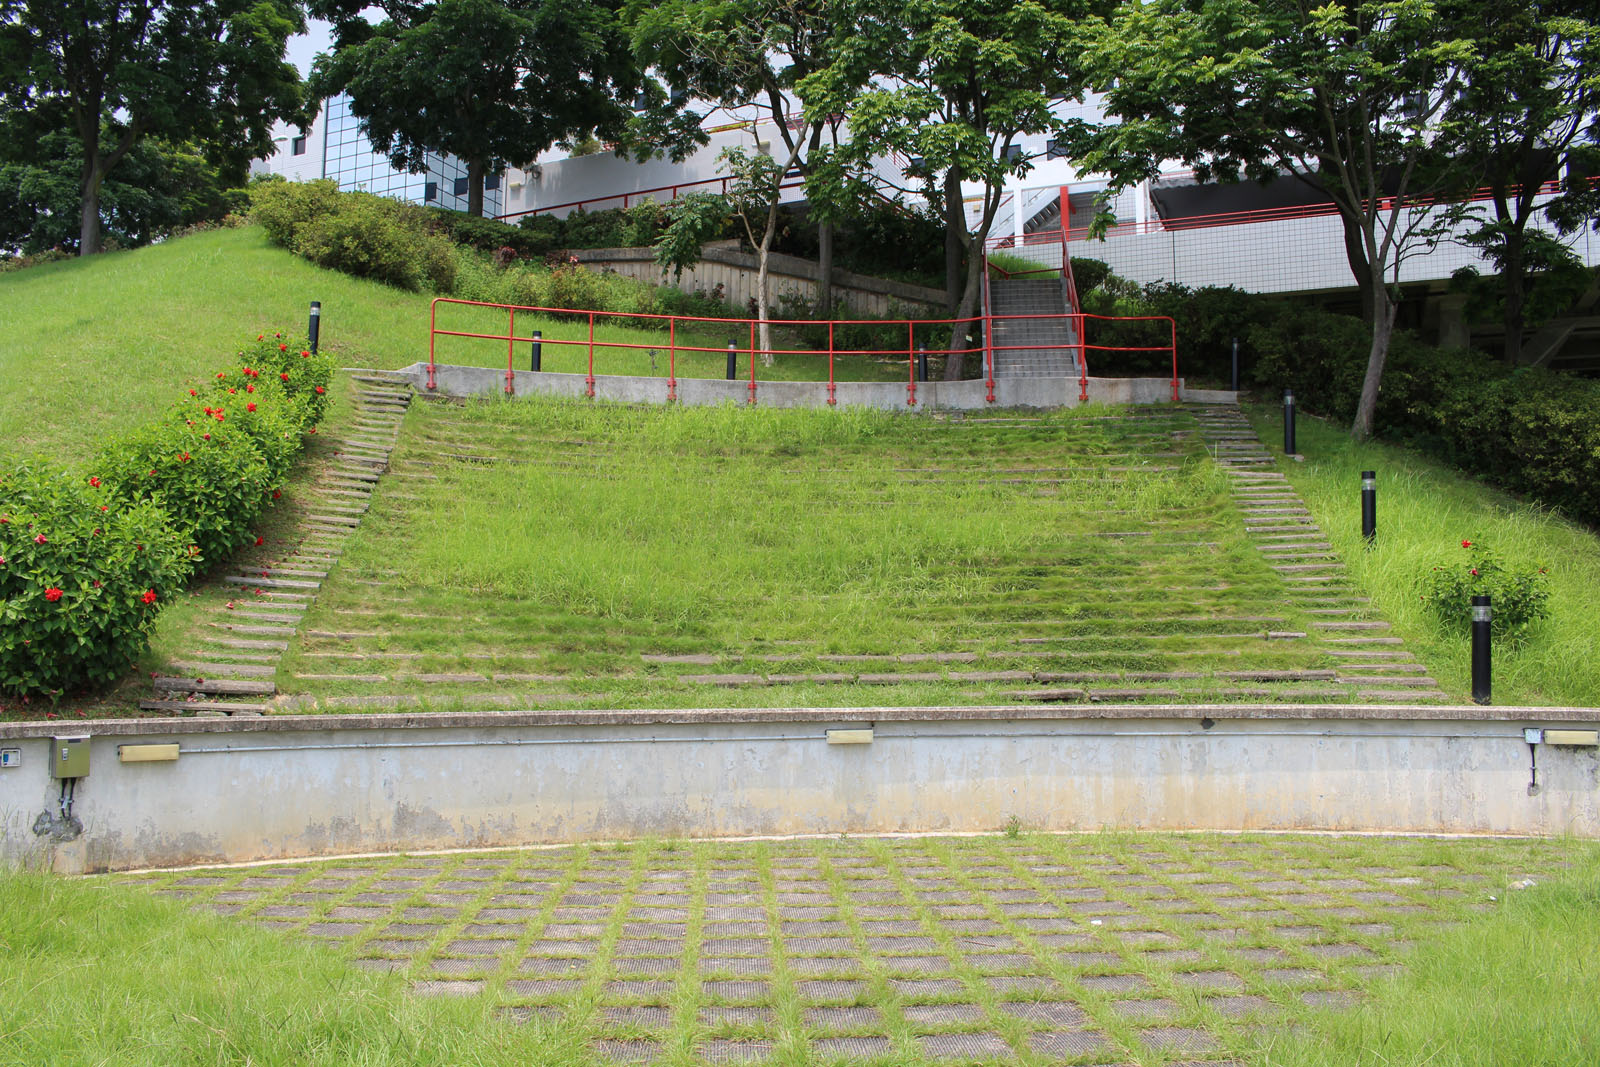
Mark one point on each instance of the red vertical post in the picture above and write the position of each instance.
(433, 326)
(511, 353)
(1083, 360)
(988, 350)
(1174, 324)
(752, 361)
(832, 398)
(589, 381)
(911, 365)
(672, 358)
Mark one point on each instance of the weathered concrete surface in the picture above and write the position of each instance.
(286, 786)
(886, 396)
(737, 272)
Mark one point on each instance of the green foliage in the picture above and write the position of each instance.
(491, 82)
(359, 234)
(692, 220)
(491, 235)
(116, 71)
(157, 503)
(1518, 595)
(83, 573)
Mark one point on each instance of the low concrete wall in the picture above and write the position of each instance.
(283, 786)
(737, 272)
(887, 396)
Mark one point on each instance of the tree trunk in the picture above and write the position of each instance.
(1385, 307)
(762, 302)
(89, 219)
(475, 169)
(825, 270)
(961, 333)
(955, 239)
(1355, 252)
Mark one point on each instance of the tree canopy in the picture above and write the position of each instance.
(494, 82)
(113, 72)
(1353, 99)
(954, 84)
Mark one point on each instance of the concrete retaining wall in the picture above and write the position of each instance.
(887, 396)
(737, 272)
(283, 786)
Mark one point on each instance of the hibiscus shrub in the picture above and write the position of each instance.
(154, 506)
(82, 575)
(1518, 595)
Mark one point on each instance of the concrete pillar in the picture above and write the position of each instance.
(1453, 329)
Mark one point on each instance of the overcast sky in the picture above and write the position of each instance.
(303, 49)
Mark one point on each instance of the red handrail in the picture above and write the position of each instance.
(909, 353)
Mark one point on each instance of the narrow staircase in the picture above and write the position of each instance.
(1026, 347)
(233, 667)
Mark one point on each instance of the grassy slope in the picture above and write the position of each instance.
(1425, 510)
(89, 346)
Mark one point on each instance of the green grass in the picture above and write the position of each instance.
(91, 346)
(1425, 510)
(1096, 547)
(95, 973)
(1434, 959)
(1515, 986)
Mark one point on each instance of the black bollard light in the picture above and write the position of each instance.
(536, 351)
(1369, 507)
(1288, 422)
(314, 329)
(733, 361)
(1480, 649)
(1234, 381)
(922, 363)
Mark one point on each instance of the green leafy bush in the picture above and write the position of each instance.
(357, 233)
(82, 575)
(1518, 595)
(182, 491)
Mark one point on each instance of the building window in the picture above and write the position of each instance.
(1054, 149)
(461, 186)
(1013, 153)
(430, 192)
(297, 146)
(491, 183)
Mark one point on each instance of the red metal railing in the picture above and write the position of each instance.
(634, 196)
(750, 352)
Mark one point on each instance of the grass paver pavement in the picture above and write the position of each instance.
(1026, 949)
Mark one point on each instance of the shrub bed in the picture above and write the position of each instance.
(87, 558)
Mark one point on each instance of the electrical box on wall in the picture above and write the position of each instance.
(10, 757)
(69, 757)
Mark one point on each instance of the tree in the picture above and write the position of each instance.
(117, 71)
(493, 82)
(158, 187)
(1351, 99)
(954, 83)
(742, 53)
(1528, 104)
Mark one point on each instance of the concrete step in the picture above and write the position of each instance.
(204, 707)
(218, 686)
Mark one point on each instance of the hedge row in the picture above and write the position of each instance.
(88, 558)
(1533, 432)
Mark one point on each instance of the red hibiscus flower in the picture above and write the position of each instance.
(284, 375)
(320, 389)
(276, 494)
(40, 539)
(283, 348)
(1466, 544)
(261, 540)
(52, 594)
(149, 596)
(250, 407)
(249, 388)
(1474, 572)
(193, 393)
(222, 374)
(95, 482)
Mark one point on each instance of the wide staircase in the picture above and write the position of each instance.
(1029, 347)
